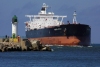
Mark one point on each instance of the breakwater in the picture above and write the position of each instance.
(14, 44)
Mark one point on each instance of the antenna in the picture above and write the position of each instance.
(74, 18)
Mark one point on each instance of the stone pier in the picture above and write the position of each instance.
(21, 45)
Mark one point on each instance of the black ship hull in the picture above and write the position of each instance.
(69, 34)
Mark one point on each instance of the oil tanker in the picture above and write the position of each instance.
(51, 30)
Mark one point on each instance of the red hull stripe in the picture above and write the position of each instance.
(61, 40)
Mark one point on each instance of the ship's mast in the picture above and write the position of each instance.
(74, 18)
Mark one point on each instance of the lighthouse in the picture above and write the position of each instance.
(14, 26)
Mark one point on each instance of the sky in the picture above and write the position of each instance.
(87, 13)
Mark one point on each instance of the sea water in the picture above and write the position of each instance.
(61, 56)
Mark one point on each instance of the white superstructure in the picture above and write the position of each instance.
(44, 19)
